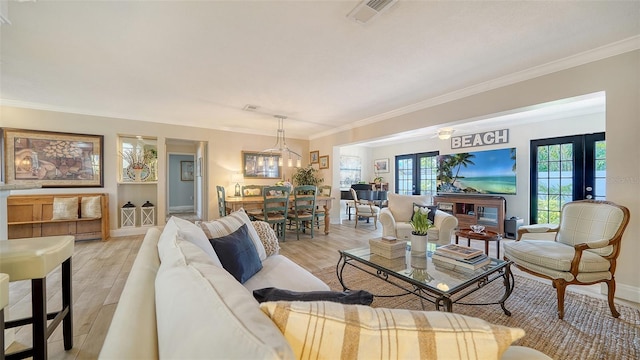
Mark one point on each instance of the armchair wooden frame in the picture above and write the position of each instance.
(561, 284)
(373, 211)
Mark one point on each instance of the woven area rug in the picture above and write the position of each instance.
(588, 330)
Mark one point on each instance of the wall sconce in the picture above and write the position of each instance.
(445, 134)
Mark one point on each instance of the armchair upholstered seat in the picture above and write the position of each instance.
(583, 252)
(395, 219)
(367, 210)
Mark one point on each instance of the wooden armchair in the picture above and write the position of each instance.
(365, 210)
(583, 252)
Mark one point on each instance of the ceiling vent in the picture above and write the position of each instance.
(369, 9)
(250, 107)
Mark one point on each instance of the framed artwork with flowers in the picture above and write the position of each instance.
(381, 165)
(53, 159)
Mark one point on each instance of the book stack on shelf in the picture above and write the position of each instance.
(460, 258)
(388, 247)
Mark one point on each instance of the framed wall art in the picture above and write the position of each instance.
(324, 161)
(257, 165)
(186, 171)
(53, 159)
(381, 165)
(314, 157)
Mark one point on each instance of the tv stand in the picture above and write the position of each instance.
(487, 210)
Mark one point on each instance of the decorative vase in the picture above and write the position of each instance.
(418, 244)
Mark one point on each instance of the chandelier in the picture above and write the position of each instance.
(280, 148)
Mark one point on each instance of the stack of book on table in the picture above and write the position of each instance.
(459, 258)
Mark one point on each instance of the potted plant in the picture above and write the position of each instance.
(421, 225)
(307, 176)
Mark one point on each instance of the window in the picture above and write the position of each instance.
(350, 171)
(416, 173)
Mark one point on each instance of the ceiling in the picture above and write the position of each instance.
(199, 63)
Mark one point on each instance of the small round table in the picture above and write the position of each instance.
(486, 236)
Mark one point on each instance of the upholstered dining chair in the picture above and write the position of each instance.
(365, 210)
(222, 202)
(275, 208)
(583, 252)
(304, 208)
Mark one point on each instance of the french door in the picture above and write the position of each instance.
(416, 173)
(565, 169)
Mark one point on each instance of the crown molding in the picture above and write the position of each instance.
(603, 52)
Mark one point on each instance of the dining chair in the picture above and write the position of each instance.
(583, 252)
(324, 190)
(304, 208)
(249, 191)
(275, 208)
(222, 202)
(365, 210)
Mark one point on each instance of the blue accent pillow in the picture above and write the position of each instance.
(237, 254)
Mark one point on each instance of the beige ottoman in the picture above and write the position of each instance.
(33, 259)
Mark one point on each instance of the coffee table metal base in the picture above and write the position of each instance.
(442, 300)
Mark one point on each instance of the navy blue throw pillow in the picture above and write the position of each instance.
(237, 254)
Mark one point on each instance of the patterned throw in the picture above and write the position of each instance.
(327, 330)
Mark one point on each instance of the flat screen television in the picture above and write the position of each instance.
(491, 172)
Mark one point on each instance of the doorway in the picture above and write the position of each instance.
(186, 174)
(566, 169)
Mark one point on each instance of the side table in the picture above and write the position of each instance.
(486, 236)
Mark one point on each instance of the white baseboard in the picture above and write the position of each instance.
(626, 292)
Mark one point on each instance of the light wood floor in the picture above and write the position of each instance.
(100, 270)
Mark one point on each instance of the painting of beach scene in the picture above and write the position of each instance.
(479, 172)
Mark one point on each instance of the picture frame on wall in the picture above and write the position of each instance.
(381, 165)
(314, 157)
(186, 170)
(323, 162)
(256, 165)
(53, 159)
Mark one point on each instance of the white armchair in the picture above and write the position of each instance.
(395, 219)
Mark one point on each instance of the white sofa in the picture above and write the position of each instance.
(186, 306)
(396, 216)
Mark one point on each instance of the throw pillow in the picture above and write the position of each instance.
(193, 233)
(267, 236)
(90, 207)
(230, 223)
(432, 211)
(65, 208)
(359, 297)
(330, 330)
(237, 254)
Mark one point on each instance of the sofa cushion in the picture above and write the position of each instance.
(276, 272)
(193, 233)
(230, 223)
(65, 208)
(237, 254)
(203, 312)
(330, 330)
(401, 206)
(90, 207)
(267, 236)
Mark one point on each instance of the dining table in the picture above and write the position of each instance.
(256, 202)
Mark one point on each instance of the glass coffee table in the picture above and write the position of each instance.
(419, 276)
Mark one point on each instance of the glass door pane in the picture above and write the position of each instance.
(566, 169)
(404, 174)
